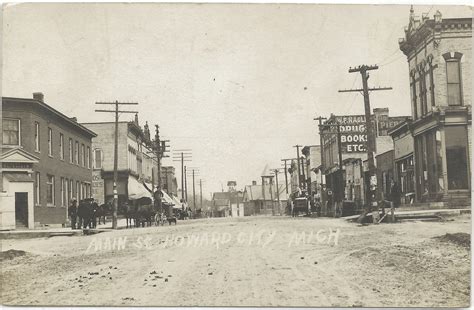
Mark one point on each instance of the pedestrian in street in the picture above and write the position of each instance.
(73, 213)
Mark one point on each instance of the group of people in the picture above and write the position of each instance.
(186, 212)
(83, 214)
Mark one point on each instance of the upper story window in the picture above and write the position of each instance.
(453, 78)
(76, 153)
(71, 151)
(37, 137)
(61, 146)
(83, 155)
(11, 131)
(97, 159)
(50, 142)
(88, 157)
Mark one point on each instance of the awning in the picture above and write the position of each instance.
(167, 198)
(136, 190)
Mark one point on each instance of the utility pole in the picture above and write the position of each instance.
(116, 111)
(363, 70)
(182, 156)
(277, 190)
(303, 174)
(321, 147)
(193, 172)
(160, 149)
(200, 193)
(194, 194)
(298, 166)
(285, 160)
(185, 185)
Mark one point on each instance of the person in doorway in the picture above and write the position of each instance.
(73, 213)
(395, 194)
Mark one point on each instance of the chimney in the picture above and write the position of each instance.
(38, 96)
(254, 182)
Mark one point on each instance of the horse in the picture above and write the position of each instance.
(103, 210)
(129, 212)
(145, 214)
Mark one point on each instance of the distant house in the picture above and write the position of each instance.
(228, 203)
(263, 199)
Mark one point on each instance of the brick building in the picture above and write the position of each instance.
(46, 161)
(439, 52)
(137, 168)
(168, 180)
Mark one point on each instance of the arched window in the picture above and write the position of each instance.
(453, 78)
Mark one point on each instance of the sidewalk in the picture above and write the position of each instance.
(433, 212)
(39, 233)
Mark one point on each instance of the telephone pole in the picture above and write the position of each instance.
(116, 111)
(182, 156)
(160, 149)
(193, 173)
(276, 171)
(298, 166)
(363, 70)
(285, 160)
(200, 193)
(320, 120)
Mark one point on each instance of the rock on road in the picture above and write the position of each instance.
(252, 261)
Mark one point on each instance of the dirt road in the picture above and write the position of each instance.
(255, 261)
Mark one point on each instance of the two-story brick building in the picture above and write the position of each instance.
(46, 161)
(136, 162)
(439, 54)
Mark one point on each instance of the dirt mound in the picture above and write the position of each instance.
(462, 239)
(11, 254)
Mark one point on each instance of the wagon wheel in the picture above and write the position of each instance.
(157, 219)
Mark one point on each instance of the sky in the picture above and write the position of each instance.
(239, 84)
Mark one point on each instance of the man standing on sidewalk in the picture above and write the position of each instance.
(73, 213)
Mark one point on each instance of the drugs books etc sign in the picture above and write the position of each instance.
(353, 133)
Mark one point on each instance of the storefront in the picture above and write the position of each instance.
(404, 172)
(17, 189)
(442, 158)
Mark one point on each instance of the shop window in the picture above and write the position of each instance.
(456, 157)
(11, 131)
(439, 161)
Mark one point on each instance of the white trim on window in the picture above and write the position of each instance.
(61, 146)
(50, 142)
(19, 130)
(37, 137)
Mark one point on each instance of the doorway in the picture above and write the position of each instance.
(21, 208)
